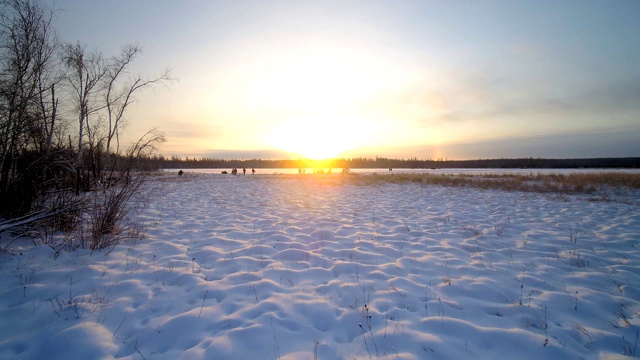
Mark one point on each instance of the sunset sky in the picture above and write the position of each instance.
(425, 79)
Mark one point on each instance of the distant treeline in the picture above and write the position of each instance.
(176, 162)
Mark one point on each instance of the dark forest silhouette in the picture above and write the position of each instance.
(174, 162)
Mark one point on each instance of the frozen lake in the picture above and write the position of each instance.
(419, 171)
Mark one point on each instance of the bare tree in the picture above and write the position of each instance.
(86, 71)
(27, 46)
(119, 97)
(144, 147)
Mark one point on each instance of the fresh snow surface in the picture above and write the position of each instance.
(306, 267)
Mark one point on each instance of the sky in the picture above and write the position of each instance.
(403, 79)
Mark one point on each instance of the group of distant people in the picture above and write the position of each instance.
(234, 171)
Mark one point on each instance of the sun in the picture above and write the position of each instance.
(319, 137)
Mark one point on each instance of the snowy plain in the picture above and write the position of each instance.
(316, 267)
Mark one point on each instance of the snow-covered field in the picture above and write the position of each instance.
(306, 267)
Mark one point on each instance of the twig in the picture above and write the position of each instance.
(521, 287)
(205, 298)
(315, 349)
(276, 347)
(364, 337)
(54, 307)
(119, 326)
(546, 327)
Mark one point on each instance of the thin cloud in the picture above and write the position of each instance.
(471, 102)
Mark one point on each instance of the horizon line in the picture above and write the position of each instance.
(376, 158)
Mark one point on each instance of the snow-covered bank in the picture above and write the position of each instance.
(290, 267)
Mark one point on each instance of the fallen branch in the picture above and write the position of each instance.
(32, 217)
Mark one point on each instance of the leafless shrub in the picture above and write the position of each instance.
(576, 259)
(67, 208)
(108, 221)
